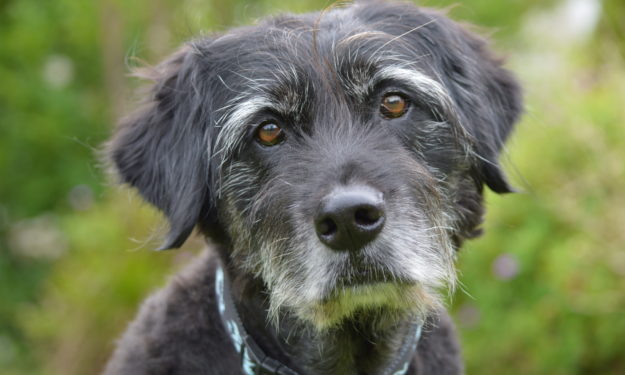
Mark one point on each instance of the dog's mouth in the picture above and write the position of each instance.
(361, 287)
(361, 277)
(360, 271)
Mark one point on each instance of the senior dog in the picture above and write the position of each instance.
(336, 161)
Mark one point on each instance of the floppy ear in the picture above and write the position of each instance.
(163, 148)
(490, 100)
(487, 95)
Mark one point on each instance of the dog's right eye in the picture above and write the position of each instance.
(269, 134)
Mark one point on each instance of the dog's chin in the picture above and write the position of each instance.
(383, 301)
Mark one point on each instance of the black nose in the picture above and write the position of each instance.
(349, 218)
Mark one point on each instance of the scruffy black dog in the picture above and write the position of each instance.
(337, 160)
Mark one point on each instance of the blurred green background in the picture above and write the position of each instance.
(543, 292)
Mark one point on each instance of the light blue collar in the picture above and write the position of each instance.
(253, 359)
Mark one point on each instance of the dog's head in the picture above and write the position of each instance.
(339, 156)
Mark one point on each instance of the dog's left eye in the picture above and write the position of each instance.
(393, 106)
(269, 134)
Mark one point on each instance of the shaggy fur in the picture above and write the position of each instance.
(192, 151)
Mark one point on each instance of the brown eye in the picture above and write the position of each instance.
(393, 106)
(269, 134)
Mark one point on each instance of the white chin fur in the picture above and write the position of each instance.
(388, 298)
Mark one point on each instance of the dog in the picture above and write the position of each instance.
(336, 162)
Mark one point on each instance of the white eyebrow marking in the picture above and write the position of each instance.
(237, 113)
(434, 92)
(233, 124)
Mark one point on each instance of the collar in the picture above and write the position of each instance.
(253, 359)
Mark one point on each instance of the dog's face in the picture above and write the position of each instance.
(339, 156)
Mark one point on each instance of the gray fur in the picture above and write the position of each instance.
(190, 151)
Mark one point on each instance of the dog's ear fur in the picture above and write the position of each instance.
(162, 149)
(487, 95)
(490, 100)
(491, 122)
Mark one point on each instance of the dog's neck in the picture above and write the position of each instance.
(356, 346)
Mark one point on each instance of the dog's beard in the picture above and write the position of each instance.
(399, 273)
(408, 264)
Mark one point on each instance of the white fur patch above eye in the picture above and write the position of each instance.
(233, 123)
(434, 92)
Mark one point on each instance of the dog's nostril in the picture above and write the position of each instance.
(326, 227)
(367, 216)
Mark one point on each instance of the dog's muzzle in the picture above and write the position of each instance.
(350, 217)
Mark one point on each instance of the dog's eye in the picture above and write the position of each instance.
(393, 106)
(269, 134)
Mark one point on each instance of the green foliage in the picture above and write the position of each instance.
(562, 313)
(543, 290)
(92, 293)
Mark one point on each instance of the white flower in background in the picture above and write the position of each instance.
(570, 22)
(39, 237)
(58, 71)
